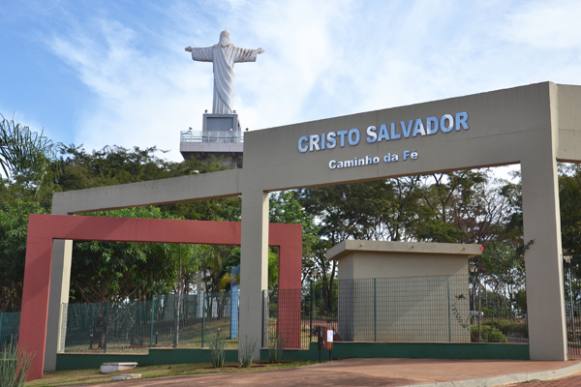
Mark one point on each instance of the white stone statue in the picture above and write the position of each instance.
(223, 56)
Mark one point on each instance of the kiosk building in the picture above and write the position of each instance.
(403, 292)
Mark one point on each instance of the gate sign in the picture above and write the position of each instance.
(392, 131)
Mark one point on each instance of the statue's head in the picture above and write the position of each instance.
(224, 38)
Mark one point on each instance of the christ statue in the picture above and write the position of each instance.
(223, 56)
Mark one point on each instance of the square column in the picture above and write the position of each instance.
(543, 256)
(56, 330)
(253, 267)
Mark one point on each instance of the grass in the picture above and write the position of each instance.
(84, 377)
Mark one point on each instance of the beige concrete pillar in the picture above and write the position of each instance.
(253, 266)
(62, 252)
(543, 257)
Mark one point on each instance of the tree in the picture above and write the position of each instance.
(137, 271)
(351, 211)
(24, 154)
(569, 194)
(286, 207)
(13, 229)
(111, 271)
(25, 157)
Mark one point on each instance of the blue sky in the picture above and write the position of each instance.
(114, 72)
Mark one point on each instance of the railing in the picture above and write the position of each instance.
(221, 139)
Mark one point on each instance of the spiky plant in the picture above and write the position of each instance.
(246, 352)
(217, 354)
(14, 365)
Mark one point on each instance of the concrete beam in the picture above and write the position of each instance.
(568, 100)
(343, 248)
(164, 191)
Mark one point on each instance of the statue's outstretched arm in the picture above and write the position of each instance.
(247, 54)
(201, 54)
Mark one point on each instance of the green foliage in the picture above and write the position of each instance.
(569, 193)
(14, 365)
(511, 328)
(246, 352)
(109, 271)
(459, 207)
(275, 350)
(486, 334)
(217, 353)
(102, 271)
(24, 154)
(287, 207)
(14, 212)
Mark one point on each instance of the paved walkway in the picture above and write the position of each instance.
(371, 372)
(573, 381)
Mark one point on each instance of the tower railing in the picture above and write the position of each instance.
(188, 136)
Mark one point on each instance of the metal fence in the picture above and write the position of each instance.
(413, 309)
(8, 327)
(398, 310)
(134, 326)
(573, 312)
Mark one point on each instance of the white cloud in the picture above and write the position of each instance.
(142, 100)
(300, 53)
(546, 25)
(145, 99)
(322, 59)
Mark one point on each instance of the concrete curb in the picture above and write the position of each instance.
(508, 379)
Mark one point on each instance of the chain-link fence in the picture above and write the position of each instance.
(573, 311)
(408, 310)
(164, 321)
(8, 327)
(396, 310)
(416, 309)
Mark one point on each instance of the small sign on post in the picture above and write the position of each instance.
(329, 341)
(330, 334)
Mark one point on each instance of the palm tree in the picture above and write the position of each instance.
(24, 154)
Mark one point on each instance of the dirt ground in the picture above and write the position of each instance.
(368, 372)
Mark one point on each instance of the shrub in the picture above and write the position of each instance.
(13, 366)
(508, 327)
(217, 354)
(496, 336)
(275, 351)
(246, 352)
(488, 334)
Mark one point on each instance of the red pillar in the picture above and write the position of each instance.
(35, 291)
(289, 285)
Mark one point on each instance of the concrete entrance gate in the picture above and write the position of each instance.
(534, 125)
(36, 334)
